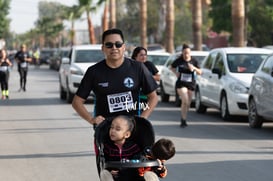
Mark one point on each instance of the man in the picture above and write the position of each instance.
(23, 58)
(116, 82)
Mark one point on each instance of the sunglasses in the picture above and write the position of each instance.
(110, 44)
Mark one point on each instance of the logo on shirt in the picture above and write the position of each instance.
(104, 84)
(128, 82)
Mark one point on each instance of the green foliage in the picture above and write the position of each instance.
(221, 15)
(260, 17)
(4, 21)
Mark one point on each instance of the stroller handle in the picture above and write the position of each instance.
(131, 164)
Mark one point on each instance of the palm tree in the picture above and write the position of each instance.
(197, 23)
(170, 26)
(73, 14)
(86, 5)
(143, 24)
(238, 19)
(112, 13)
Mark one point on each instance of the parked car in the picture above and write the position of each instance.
(204, 47)
(168, 78)
(45, 55)
(74, 67)
(158, 58)
(260, 99)
(55, 60)
(225, 81)
(155, 47)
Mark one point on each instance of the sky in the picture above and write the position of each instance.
(24, 13)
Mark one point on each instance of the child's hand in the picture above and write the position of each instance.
(161, 165)
(114, 172)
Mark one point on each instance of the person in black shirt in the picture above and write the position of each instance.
(23, 58)
(140, 54)
(116, 82)
(4, 73)
(186, 68)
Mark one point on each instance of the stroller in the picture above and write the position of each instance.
(143, 135)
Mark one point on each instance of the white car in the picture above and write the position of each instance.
(260, 99)
(158, 59)
(73, 68)
(225, 81)
(168, 78)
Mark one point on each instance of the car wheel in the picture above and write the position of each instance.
(69, 96)
(224, 108)
(164, 97)
(255, 121)
(62, 93)
(199, 107)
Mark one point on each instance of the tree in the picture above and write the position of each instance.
(4, 21)
(197, 23)
(238, 20)
(112, 8)
(143, 22)
(170, 26)
(260, 22)
(87, 6)
(73, 13)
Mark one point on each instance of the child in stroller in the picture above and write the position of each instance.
(125, 163)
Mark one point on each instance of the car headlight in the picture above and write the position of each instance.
(75, 71)
(236, 87)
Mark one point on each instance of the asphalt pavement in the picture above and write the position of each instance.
(43, 139)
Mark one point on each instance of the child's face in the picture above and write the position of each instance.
(119, 130)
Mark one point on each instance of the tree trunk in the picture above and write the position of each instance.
(197, 24)
(170, 26)
(105, 17)
(238, 20)
(112, 13)
(143, 20)
(92, 37)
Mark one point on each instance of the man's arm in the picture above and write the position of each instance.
(152, 102)
(78, 105)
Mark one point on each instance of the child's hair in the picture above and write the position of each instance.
(130, 121)
(163, 149)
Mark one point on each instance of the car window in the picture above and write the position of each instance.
(268, 65)
(219, 63)
(244, 63)
(199, 58)
(157, 59)
(209, 60)
(85, 56)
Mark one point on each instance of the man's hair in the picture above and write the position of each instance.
(137, 50)
(163, 149)
(111, 32)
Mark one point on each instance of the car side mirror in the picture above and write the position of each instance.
(65, 60)
(217, 71)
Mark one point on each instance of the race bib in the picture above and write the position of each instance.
(120, 102)
(23, 64)
(186, 77)
(3, 68)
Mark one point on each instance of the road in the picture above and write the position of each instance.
(42, 138)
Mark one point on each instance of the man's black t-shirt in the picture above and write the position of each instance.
(116, 90)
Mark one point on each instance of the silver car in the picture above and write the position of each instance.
(225, 80)
(260, 100)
